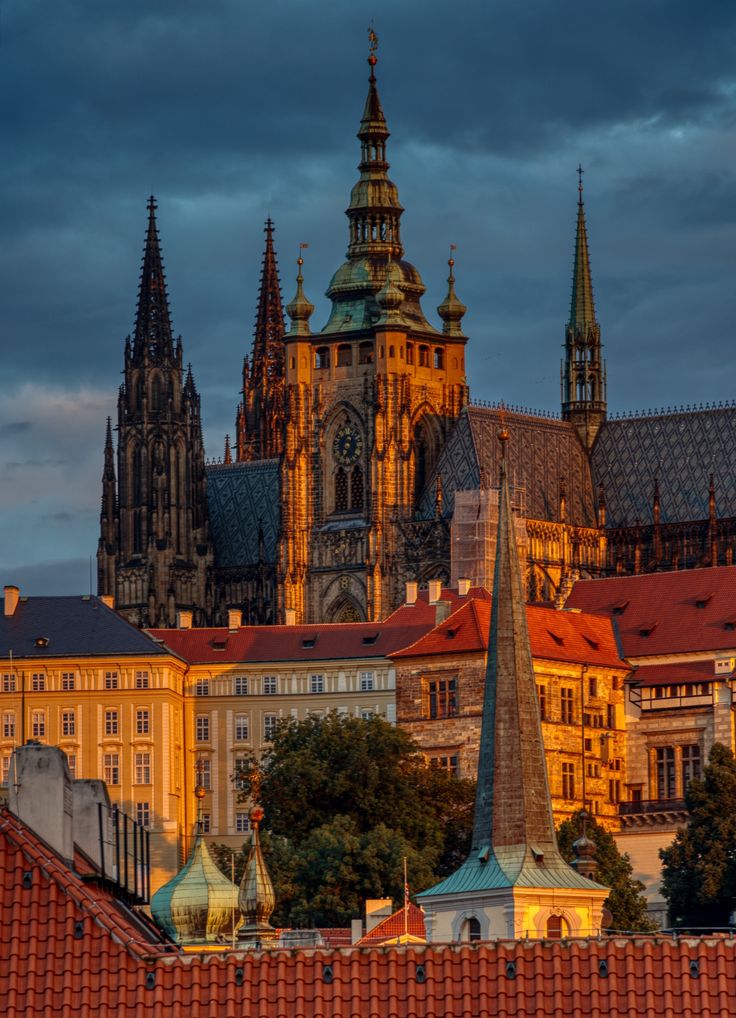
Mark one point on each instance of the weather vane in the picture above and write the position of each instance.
(580, 180)
(372, 42)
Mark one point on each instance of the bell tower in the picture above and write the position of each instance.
(369, 402)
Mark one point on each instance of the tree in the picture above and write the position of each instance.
(699, 868)
(625, 903)
(346, 799)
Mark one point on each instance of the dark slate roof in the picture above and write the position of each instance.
(73, 626)
(541, 451)
(681, 450)
(239, 495)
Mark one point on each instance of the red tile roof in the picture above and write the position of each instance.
(554, 635)
(404, 921)
(666, 613)
(66, 950)
(664, 675)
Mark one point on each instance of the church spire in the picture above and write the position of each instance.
(268, 341)
(152, 336)
(584, 371)
(452, 309)
(300, 309)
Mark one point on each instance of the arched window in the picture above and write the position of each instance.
(322, 357)
(439, 357)
(344, 355)
(356, 488)
(556, 928)
(470, 930)
(423, 356)
(409, 353)
(365, 353)
(156, 395)
(391, 352)
(341, 490)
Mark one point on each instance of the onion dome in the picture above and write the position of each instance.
(199, 905)
(390, 297)
(300, 309)
(452, 309)
(257, 898)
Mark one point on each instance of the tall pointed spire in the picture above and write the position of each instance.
(452, 309)
(583, 370)
(152, 334)
(300, 309)
(268, 340)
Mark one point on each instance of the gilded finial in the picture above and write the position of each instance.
(372, 46)
(580, 184)
(503, 432)
(452, 309)
(300, 309)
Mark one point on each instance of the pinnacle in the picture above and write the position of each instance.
(153, 325)
(268, 347)
(582, 307)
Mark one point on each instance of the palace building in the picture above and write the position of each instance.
(360, 462)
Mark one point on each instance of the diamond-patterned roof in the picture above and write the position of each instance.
(240, 496)
(681, 450)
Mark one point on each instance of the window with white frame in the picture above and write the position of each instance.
(68, 723)
(9, 724)
(67, 680)
(5, 771)
(141, 680)
(202, 733)
(316, 683)
(242, 823)
(111, 768)
(8, 683)
(206, 823)
(270, 684)
(142, 768)
(111, 680)
(367, 715)
(204, 772)
(202, 687)
(240, 777)
(143, 814)
(38, 682)
(38, 724)
(112, 725)
(269, 726)
(142, 721)
(241, 727)
(240, 685)
(71, 760)
(366, 681)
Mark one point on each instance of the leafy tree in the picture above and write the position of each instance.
(699, 868)
(625, 903)
(345, 800)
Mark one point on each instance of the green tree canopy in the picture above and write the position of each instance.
(345, 800)
(699, 868)
(625, 903)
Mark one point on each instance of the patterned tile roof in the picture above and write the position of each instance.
(554, 635)
(73, 627)
(542, 451)
(681, 450)
(665, 613)
(239, 497)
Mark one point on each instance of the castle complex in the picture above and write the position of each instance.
(360, 462)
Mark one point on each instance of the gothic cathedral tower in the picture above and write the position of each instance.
(154, 555)
(369, 402)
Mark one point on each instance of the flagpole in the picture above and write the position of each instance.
(406, 901)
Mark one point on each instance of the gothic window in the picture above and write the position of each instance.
(470, 930)
(365, 353)
(344, 355)
(156, 394)
(439, 357)
(322, 357)
(356, 488)
(423, 356)
(341, 490)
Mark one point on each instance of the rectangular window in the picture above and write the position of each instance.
(588, 743)
(71, 759)
(566, 706)
(204, 772)
(142, 722)
(38, 682)
(5, 771)
(270, 685)
(614, 790)
(241, 685)
(38, 724)
(568, 781)
(142, 768)
(206, 823)
(203, 728)
(269, 726)
(592, 686)
(367, 715)
(241, 727)
(68, 725)
(9, 725)
(143, 814)
(366, 682)
(8, 683)
(445, 763)
(111, 722)
(611, 715)
(666, 772)
(316, 683)
(242, 823)
(690, 764)
(141, 680)
(111, 680)
(202, 687)
(442, 698)
(542, 701)
(111, 768)
(240, 775)
(67, 680)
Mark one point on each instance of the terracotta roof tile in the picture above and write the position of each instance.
(403, 922)
(684, 672)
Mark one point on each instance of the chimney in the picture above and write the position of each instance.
(108, 600)
(435, 591)
(184, 619)
(40, 794)
(441, 611)
(234, 619)
(290, 617)
(412, 590)
(463, 587)
(11, 599)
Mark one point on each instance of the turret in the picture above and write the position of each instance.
(256, 898)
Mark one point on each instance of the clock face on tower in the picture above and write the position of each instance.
(347, 446)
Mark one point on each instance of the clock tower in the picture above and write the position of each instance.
(369, 402)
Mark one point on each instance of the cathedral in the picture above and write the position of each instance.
(361, 463)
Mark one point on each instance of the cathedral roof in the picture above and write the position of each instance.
(546, 451)
(240, 495)
(680, 449)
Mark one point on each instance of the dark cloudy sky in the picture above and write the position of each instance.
(234, 109)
